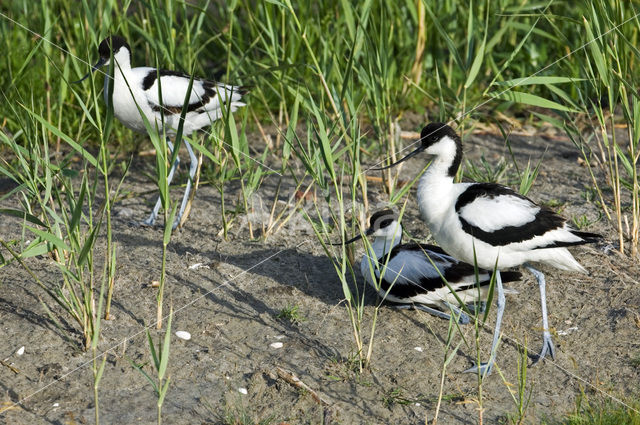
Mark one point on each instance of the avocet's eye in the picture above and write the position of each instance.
(385, 223)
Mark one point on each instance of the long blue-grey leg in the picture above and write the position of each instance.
(547, 343)
(193, 167)
(485, 368)
(154, 214)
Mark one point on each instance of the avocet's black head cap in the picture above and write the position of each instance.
(381, 219)
(434, 132)
(378, 220)
(114, 42)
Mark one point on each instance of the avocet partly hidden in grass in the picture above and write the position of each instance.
(416, 275)
(136, 91)
(492, 223)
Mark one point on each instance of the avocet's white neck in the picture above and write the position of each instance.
(123, 59)
(447, 154)
(436, 185)
(385, 242)
(122, 63)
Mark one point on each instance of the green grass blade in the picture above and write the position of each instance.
(152, 349)
(35, 248)
(23, 215)
(56, 241)
(596, 53)
(443, 33)
(88, 244)
(166, 238)
(475, 66)
(145, 374)
(82, 151)
(477, 61)
(77, 211)
(163, 392)
(545, 80)
(164, 356)
(531, 99)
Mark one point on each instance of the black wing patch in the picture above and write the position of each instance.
(544, 221)
(419, 247)
(485, 190)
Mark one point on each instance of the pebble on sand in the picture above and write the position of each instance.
(183, 335)
(276, 345)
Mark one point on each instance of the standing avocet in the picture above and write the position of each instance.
(491, 223)
(420, 275)
(136, 91)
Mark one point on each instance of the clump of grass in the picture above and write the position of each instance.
(601, 412)
(485, 171)
(59, 209)
(344, 369)
(522, 395)
(526, 176)
(583, 221)
(395, 396)
(555, 204)
(399, 396)
(292, 314)
(160, 361)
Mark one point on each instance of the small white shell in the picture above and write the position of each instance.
(418, 349)
(20, 351)
(243, 391)
(183, 335)
(276, 345)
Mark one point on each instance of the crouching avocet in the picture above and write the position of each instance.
(136, 91)
(492, 223)
(420, 275)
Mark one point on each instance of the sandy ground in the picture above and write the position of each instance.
(230, 306)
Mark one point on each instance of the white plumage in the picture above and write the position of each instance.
(506, 211)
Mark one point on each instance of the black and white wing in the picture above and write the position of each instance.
(409, 272)
(204, 96)
(499, 216)
(415, 272)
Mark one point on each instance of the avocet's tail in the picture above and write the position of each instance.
(587, 237)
